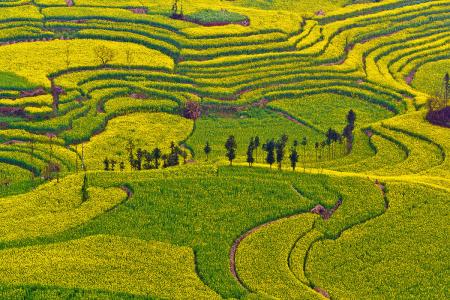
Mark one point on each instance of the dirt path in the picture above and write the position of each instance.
(128, 191)
(293, 119)
(409, 79)
(237, 242)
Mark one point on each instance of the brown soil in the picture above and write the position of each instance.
(138, 96)
(13, 142)
(322, 292)
(127, 191)
(336, 63)
(210, 24)
(440, 117)
(409, 79)
(320, 13)
(32, 93)
(139, 10)
(290, 118)
(326, 213)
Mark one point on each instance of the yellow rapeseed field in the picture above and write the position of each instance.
(35, 61)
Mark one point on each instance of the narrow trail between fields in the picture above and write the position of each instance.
(238, 241)
(409, 79)
(234, 248)
(323, 292)
(326, 216)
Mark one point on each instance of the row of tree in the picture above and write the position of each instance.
(276, 149)
(142, 159)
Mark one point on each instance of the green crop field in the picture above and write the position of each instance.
(212, 149)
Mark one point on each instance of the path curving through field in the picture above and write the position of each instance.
(382, 187)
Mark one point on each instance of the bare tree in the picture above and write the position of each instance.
(67, 56)
(446, 88)
(129, 57)
(104, 54)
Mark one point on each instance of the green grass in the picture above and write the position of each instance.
(376, 259)
(262, 259)
(253, 122)
(430, 77)
(330, 110)
(209, 16)
(15, 180)
(14, 82)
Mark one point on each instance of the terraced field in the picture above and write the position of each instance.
(107, 188)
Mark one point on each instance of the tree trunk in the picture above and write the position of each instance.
(55, 95)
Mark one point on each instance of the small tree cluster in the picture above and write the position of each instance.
(252, 150)
(192, 110)
(142, 159)
(51, 170)
(177, 9)
(348, 130)
(110, 165)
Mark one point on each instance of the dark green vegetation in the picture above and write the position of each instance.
(14, 82)
(216, 17)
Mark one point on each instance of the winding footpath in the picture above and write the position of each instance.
(309, 284)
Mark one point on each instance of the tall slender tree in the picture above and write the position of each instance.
(113, 163)
(106, 164)
(184, 155)
(329, 140)
(130, 148)
(231, 148)
(173, 157)
(84, 187)
(322, 147)
(336, 137)
(148, 160)
(351, 117)
(156, 153)
(316, 146)
(280, 149)
(304, 144)
(250, 158)
(207, 150)
(293, 157)
(256, 143)
(138, 161)
(269, 147)
(446, 88)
